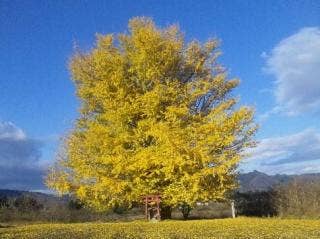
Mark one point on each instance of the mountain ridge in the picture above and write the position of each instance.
(259, 181)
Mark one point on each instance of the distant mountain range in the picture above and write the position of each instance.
(253, 181)
(258, 181)
(40, 197)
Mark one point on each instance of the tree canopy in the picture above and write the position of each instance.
(157, 117)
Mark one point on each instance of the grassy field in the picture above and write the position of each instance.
(194, 229)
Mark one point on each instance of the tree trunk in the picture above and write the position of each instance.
(166, 212)
(185, 210)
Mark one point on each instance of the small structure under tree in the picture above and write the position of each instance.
(152, 207)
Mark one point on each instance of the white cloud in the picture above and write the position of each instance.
(9, 130)
(20, 164)
(290, 168)
(295, 63)
(298, 152)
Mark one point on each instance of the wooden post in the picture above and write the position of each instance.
(146, 208)
(158, 209)
(233, 209)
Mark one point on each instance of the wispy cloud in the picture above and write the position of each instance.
(10, 131)
(266, 115)
(295, 64)
(295, 152)
(290, 168)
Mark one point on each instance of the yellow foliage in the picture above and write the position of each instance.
(156, 117)
(241, 228)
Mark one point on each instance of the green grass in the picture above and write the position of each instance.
(194, 229)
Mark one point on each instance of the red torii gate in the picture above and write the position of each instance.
(152, 206)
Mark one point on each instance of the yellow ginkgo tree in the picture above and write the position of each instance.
(156, 117)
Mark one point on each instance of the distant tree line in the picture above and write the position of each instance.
(298, 198)
(29, 208)
(22, 203)
(258, 203)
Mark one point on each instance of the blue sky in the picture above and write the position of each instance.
(272, 46)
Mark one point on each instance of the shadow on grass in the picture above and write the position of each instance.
(5, 226)
(194, 218)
